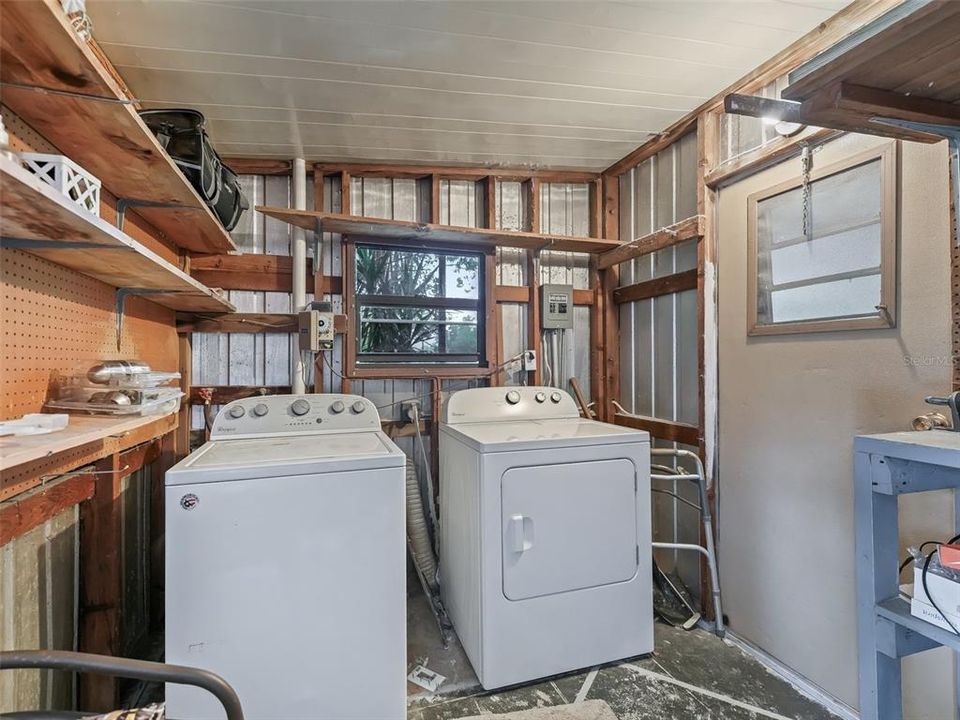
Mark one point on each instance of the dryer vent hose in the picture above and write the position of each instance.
(417, 532)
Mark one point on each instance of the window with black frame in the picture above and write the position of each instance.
(418, 306)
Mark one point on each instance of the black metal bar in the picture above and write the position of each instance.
(126, 667)
(761, 107)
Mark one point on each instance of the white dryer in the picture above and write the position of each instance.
(286, 562)
(545, 563)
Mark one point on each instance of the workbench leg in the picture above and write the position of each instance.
(876, 547)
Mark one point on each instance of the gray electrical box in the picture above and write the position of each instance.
(556, 307)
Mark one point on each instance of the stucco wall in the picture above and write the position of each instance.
(789, 407)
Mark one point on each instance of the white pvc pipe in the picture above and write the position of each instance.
(299, 252)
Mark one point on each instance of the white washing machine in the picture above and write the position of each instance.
(545, 562)
(286, 562)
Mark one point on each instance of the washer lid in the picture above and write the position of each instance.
(537, 434)
(221, 460)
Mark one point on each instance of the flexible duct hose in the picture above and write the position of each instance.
(417, 532)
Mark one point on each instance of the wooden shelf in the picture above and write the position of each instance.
(82, 430)
(399, 231)
(39, 220)
(103, 132)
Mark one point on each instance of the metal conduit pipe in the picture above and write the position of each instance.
(298, 250)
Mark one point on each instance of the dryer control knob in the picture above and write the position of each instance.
(555, 397)
(337, 407)
(300, 407)
(237, 411)
(358, 407)
(513, 397)
(540, 397)
(260, 409)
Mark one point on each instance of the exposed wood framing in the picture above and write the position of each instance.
(667, 285)
(688, 229)
(661, 429)
(223, 394)
(402, 232)
(248, 323)
(185, 361)
(258, 166)
(31, 509)
(521, 294)
(453, 172)
(774, 152)
(491, 328)
(101, 569)
(257, 272)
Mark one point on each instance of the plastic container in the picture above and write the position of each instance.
(117, 401)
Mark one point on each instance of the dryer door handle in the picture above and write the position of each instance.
(521, 533)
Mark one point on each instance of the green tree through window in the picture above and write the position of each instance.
(418, 306)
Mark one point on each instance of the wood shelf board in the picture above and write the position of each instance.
(82, 430)
(32, 210)
(399, 231)
(914, 49)
(905, 65)
(38, 47)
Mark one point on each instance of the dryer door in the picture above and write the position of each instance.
(568, 527)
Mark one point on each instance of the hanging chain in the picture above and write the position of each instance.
(806, 162)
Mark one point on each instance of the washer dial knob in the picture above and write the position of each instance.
(300, 407)
(540, 397)
(260, 409)
(555, 397)
(513, 397)
(358, 407)
(237, 412)
(337, 407)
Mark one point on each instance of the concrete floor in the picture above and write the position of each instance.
(690, 676)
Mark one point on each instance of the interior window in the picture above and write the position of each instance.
(418, 306)
(823, 251)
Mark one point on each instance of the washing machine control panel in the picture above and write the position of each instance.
(294, 414)
(499, 403)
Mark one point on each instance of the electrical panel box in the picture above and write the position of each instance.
(556, 307)
(315, 327)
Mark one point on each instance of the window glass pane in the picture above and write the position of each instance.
(391, 272)
(399, 329)
(857, 249)
(801, 276)
(842, 298)
(462, 276)
(461, 332)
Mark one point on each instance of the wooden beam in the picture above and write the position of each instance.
(678, 282)
(609, 280)
(223, 394)
(435, 199)
(491, 328)
(521, 294)
(689, 229)
(181, 443)
(490, 198)
(774, 152)
(271, 273)
(455, 172)
(101, 581)
(825, 35)
(249, 323)
(661, 429)
(27, 511)
(258, 166)
(598, 388)
(400, 231)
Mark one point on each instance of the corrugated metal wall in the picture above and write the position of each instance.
(267, 358)
(658, 337)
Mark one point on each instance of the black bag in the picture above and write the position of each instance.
(183, 135)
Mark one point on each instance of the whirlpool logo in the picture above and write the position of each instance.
(189, 501)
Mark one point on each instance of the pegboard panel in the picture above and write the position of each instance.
(24, 138)
(56, 321)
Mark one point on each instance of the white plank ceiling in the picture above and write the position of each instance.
(520, 84)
